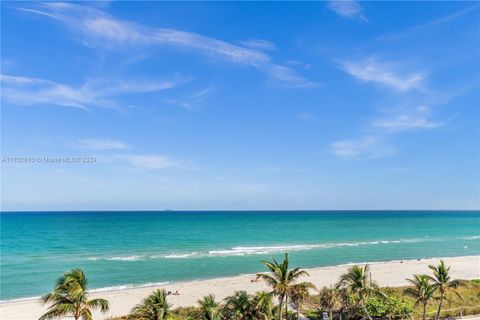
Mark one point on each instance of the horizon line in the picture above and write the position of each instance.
(233, 210)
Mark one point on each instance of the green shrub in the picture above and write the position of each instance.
(390, 306)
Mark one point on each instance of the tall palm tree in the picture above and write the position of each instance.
(299, 293)
(239, 306)
(209, 307)
(357, 280)
(263, 305)
(280, 279)
(153, 307)
(70, 298)
(330, 300)
(442, 282)
(422, 291)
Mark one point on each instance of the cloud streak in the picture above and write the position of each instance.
(430, 24)
(101, 29)
(27, 91)
(349, 9)
(151, 161)
(368, 147)
(418, 118)
(371, 70)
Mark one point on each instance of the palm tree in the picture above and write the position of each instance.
(330, 300)
(263, 305)
(280, 279)
(422, 291)
(153, 307)
(239, 306)
(70, 298)
(299, 293)
(209, 307)
(442, 282)
(357, 280)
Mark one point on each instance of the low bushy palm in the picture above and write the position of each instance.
(280, 279)
(239, 306)
(442, 282)
(263, 305)
(70, 298)
(298, 293)
(153, 307)
(422, 291)
(330, 300)
(357, 280)
(209, 307)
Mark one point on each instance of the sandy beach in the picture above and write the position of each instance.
(391, 273)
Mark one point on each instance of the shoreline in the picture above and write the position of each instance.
(386, 273)
(127, 287)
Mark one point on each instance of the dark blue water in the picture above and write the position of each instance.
(120, 249)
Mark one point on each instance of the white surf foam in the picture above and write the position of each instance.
(117, 258)
(176, 256)
(256, 250)
(129, 286)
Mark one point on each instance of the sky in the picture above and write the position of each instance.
(240, 105)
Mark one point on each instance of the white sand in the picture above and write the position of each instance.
(391, 273)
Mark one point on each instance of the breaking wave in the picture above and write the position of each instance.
(252, 250)
(129, 286)
(120, 258)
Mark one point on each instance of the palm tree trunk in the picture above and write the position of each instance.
(424, 311)
(280, 308)
(331, 314)
(286, 307)
(440, 306)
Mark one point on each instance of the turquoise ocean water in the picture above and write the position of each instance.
(122, 249)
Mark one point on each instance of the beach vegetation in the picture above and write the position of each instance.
(238, 306)
(69, 298)
(359, 286)
(397, 303)
(263, 305)
(356, 296)
(281, 280)
(443, 283)
(330, 300)
(209, 307)
(153, 307)
(422, 290)
(299, 293)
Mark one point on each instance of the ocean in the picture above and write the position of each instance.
(127, 249)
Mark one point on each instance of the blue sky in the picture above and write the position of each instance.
(314, 105)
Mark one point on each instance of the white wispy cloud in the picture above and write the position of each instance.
(298, 64)
(417, 118)
(282, 76)
(100, 144)
(397, 121)
(350, 9)
(259, 44)
(368, 147)
(431, 24)
(28, 91)
(384, 73)
(101, 29)
(151, 161)
(190, 100)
